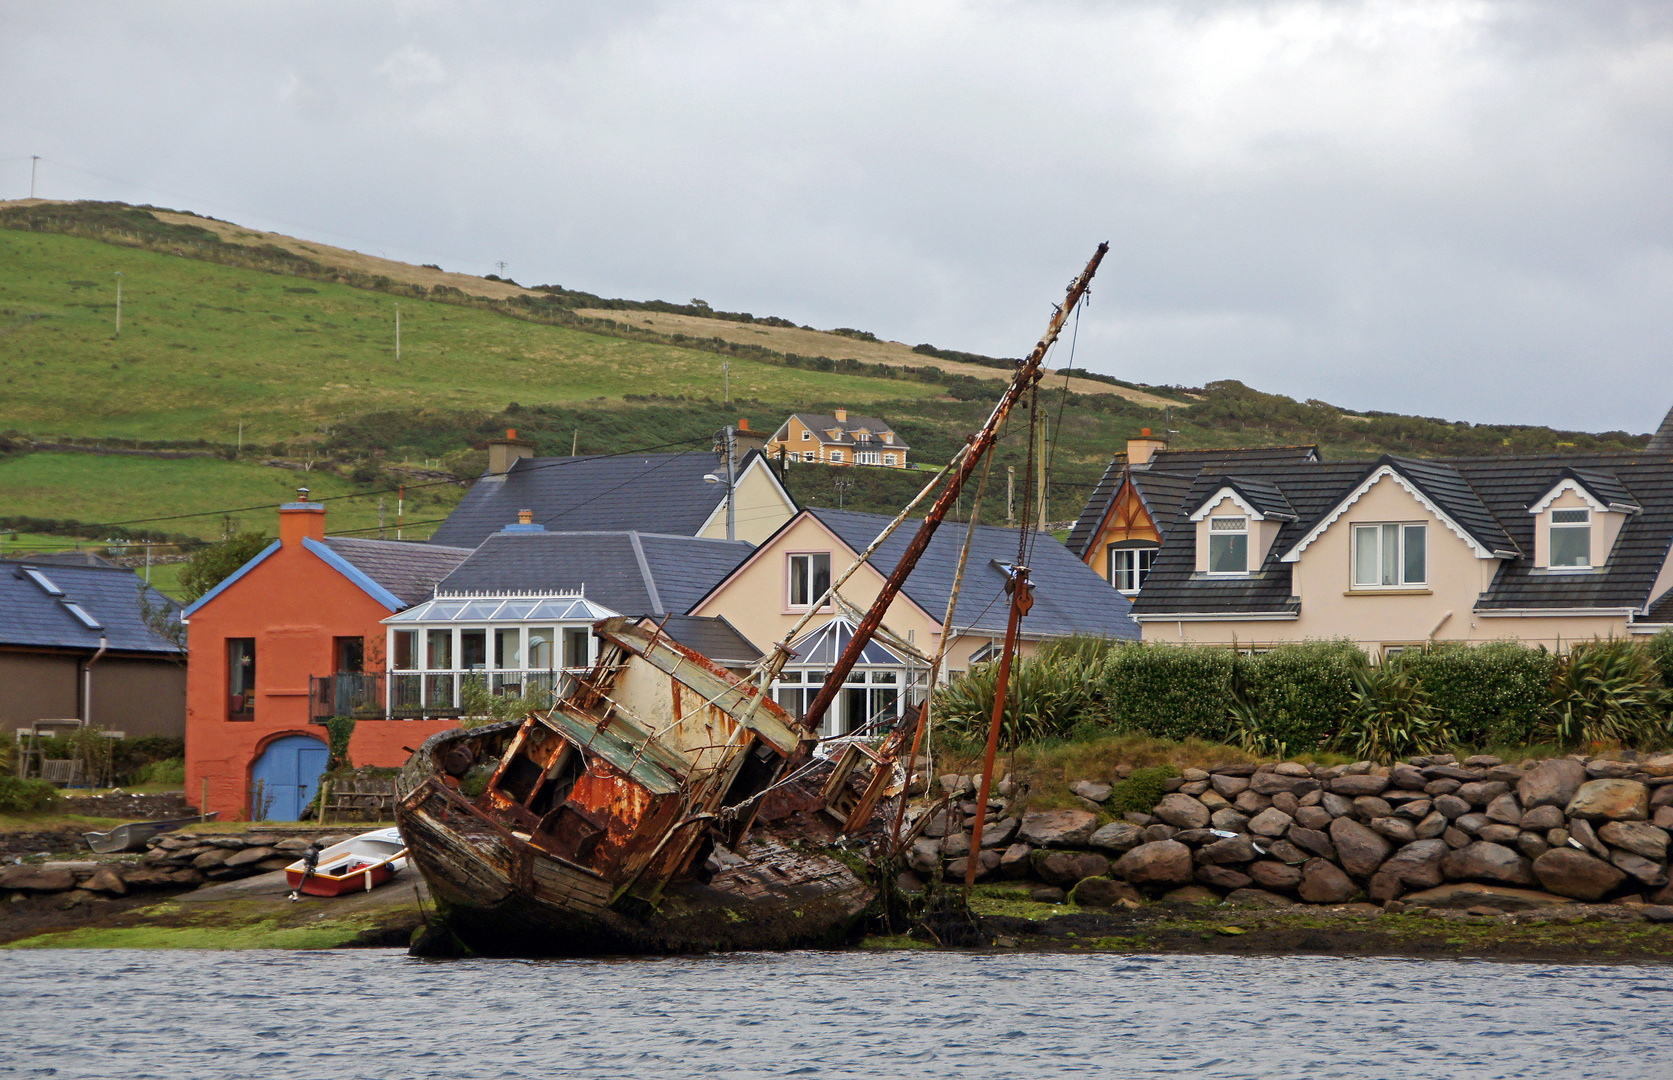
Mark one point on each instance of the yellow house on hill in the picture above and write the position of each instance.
(838, 440)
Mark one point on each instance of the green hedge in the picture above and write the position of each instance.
(1169, 691)
(1490, 695)
(1315, 695)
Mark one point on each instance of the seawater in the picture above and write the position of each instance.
(135, 1015)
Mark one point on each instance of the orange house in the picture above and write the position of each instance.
(307, 606)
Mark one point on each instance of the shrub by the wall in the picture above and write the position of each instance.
(26, 796)
(1048, 696)
(1169, 691)
(1299, 693)
(1489, 695)
(1391, 716)
(1660, 649)
(1608, 692)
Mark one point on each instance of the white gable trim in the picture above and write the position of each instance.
(1569, 483)
(1294, 554)
(1227, 493)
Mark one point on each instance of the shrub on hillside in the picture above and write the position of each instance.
(1608, 692)
(1297, 694)
(1169, 691)
(1490, 695)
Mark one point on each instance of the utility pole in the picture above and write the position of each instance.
(575, 444)
(501, 265)
(34, 159)
(118, 303)
(380, 517)
(397, 333)
(842, 487)
(731, 489)
(400, 504)
(726, 375)
(1010, 495)
(240, 438)
(148, 562)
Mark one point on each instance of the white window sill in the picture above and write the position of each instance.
(1567, 569)
(1388, 590)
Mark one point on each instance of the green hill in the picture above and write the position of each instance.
(252, 363)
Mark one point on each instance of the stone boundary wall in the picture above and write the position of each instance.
(1431, 831)
(175, 861)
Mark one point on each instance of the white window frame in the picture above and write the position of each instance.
(1243, 532)
(836, 457)
(1402, 530)
(791, 559)
(867, 457)
(1584, 525)
(1143, 559)
(807, 436)
(891, 459)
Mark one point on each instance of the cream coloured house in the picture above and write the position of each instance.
(770, 592)
(1399, 552)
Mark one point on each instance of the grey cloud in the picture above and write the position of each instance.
(1453, 208)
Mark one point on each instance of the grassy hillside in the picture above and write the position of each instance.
(222, 325)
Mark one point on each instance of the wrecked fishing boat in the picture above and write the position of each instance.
(665, 804)
(649, 811)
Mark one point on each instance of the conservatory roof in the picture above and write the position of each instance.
(502, 609)
(822, 647)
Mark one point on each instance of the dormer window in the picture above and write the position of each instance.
(888, 436)
(1571, 538)
(1228, 545)
(1390, 555)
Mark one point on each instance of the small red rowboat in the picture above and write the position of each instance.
(359, 864)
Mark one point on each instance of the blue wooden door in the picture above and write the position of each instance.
(285, 777)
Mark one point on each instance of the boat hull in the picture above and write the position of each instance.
(339, 885)
(505, 897)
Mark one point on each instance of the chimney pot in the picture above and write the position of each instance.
(1145, 432)
(525, 517)
(743, 423)
(511, 432)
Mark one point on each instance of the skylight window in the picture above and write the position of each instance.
(81, 613)
(43, 581)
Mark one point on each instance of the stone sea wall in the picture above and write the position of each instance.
(1431, 831)
(173, 861)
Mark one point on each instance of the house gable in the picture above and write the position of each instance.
(1377, 475)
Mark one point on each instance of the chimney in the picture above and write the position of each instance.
(525, 517)
(503, 453)
(301, 520)
(1141, 449)
(842, 416)
(525, 523)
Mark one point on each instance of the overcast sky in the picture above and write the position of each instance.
(1453, 208)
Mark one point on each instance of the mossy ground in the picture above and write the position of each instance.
(250, 923)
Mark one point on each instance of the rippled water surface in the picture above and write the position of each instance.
(379, 1014)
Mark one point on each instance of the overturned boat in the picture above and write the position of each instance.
(665, 804)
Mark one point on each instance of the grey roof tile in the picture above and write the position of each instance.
(31, 616)
(1069, 597)
(663, 493)
(710, 635)
(1662, 441)
(629, 572)
(410, 570)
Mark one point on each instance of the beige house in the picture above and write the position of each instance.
(838, 439)
(1399, 552)
(770, 592)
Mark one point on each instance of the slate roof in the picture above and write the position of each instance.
(1662, 441)
(1069, 597)
(410, 570)
(31, 616)
(662, 493)
(1605, 487)
(61, 558)
(630, 572)
(1488, 497)
(1267, 500)
(821, 424)
(712, 636)
(1163, 481)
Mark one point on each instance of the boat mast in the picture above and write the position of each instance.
(1028, 372)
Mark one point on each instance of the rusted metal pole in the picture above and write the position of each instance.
(1021, 600)
(1028, 372)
